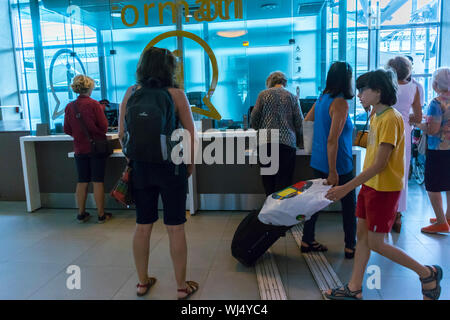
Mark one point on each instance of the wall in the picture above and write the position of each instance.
(11, 186)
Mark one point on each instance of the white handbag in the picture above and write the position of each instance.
(422, 147)
(308, 134)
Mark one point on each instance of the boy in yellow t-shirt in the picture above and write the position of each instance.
(382, 181)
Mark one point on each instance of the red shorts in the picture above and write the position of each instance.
(378, 208)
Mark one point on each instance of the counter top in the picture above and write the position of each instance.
(229, 133)
(300, 152)
(59, 137)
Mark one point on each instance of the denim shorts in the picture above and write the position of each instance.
(149, 181)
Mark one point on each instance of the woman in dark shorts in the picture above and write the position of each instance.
(437, 166)
(156, 69)
(89, 167)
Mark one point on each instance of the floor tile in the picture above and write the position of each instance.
(96, 283)
(18, 280)
(61, 249)
(231, 285)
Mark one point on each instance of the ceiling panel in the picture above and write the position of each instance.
(96, 13)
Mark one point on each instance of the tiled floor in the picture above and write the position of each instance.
(36, 249)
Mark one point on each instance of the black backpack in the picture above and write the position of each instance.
(149, 124)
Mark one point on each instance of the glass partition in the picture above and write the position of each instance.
(250, 39)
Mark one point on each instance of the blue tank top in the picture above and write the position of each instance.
(322, 125)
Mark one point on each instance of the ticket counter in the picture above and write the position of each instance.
(50, 175)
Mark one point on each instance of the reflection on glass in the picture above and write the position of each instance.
(298, 38)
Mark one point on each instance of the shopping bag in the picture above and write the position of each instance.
(295, 204)
(122, 190)
(308, 135)
(422, 147)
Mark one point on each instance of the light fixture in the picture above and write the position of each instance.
(116, 11)
(269, 6)
(232, 33)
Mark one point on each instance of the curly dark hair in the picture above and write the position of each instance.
(156, 68)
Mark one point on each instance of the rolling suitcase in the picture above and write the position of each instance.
(253, 238)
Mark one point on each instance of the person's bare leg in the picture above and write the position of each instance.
(436, 203)
(81, 194)
(141, 252)
(178, 252)
(362, 256)
(447, 215)
(99, 195)
(377, 244)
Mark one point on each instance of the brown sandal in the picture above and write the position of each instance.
(151, 282)
(192, 287)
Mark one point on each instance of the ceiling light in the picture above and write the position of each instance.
(232, 33)
(116, 14)
(269, 6)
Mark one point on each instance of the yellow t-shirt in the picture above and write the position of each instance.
(387, 127)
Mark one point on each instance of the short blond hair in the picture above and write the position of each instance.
(81, 84)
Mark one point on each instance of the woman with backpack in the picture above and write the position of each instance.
(148, 116)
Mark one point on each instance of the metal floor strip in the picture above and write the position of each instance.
(269, 279)
(321, 269)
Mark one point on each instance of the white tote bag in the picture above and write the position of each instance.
(308, 134)
(295, 204)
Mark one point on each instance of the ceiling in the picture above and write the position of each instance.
(97, 13)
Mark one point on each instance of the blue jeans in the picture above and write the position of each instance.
(348, 214)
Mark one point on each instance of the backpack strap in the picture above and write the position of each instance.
(81, 121)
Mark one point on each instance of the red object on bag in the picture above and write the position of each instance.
(122, 190)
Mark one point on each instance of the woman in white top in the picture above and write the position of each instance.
(408, 99)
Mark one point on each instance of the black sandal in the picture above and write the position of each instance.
(343, 293)
(349, 255)
(314, 247)
(437, 275)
